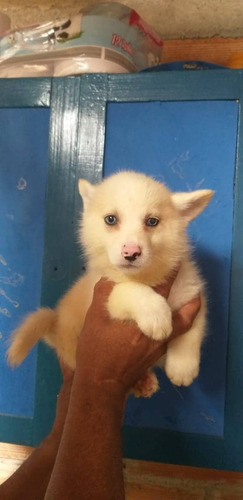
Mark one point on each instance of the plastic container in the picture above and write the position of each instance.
(107, 37)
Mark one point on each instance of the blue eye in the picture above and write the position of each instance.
(152, 221)
(111, 220)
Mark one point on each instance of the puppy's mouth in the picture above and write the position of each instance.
(131, 266)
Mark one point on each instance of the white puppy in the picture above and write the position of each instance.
(133, 231)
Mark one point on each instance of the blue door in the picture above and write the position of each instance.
(24, 154)
(24, 150)
(186, 145)
(39, 129)
(185, 129)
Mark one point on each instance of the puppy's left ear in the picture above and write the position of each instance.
(190, 205)
(86, 191)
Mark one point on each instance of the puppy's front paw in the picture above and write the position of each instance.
(146, 386)
(181, 371)
(155, 319)
(138, 302)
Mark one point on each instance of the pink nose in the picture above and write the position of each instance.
(131, 251)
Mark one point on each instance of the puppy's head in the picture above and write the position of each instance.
(133, 227)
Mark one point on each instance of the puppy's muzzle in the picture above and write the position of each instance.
(131, 252)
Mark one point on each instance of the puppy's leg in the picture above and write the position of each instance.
(146, 386)
(138, 302)
(182, 360)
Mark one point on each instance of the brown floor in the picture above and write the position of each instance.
(152, 481)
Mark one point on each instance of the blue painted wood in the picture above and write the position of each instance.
(62, 192)
(75, 130)
(62, 262)
(25, 92)
(157, 444)
(91, 94)
(22, 205)
(234, 384)
(187, 145)
(171, 85)
(24, 148)
(15, 429)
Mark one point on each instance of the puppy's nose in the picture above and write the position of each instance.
(131, 251)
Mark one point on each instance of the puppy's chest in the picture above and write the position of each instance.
(184, 289)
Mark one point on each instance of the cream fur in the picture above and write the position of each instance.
(132, 198)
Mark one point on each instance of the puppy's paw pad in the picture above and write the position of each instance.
(182, 373)
(146, 386)
(155, 319)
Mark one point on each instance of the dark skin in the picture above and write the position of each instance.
(81, 458)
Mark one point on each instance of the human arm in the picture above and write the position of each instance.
(89, 459)
(30, 480)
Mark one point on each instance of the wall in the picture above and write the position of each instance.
(173, 18)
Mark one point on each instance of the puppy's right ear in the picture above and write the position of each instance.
(86, 191)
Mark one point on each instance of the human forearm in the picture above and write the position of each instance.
(89, 461)
(30, 481)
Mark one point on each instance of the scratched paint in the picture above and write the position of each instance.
(209, 418)
(199, 184)
(178, 392)
(13, 302)
(22, 184)
(176, 164)
(15, 279)
(3, 261)
(5, 312)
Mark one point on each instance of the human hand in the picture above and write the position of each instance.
(97, 339)
(112, 351)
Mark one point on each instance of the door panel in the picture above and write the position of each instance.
(187, 145)
(24, 152)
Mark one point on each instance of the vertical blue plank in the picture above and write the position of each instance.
(23, 148)
(187, 145)
(62, 262)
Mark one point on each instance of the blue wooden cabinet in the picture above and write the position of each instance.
(184, 128)
(188, 145)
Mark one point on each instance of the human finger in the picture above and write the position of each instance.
(182, 320)
(102, 290)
